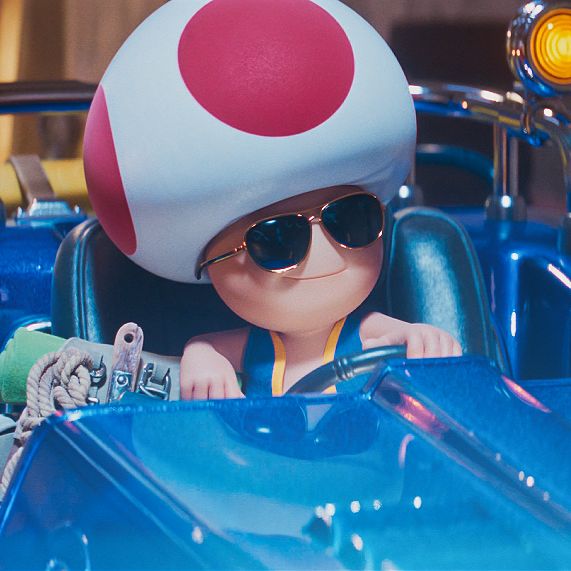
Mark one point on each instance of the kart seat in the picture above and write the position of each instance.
(432, 276)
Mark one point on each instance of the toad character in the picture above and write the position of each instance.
(255, 144)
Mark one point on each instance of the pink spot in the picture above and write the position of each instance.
(106, 190)
(267, 67)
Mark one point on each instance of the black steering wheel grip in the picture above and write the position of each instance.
(345, 369)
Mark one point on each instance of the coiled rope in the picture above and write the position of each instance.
(57, 381)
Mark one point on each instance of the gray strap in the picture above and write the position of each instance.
(33, 179)
(126, 360)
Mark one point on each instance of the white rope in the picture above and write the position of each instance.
(57, 381)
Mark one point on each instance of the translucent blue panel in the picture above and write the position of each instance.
(392, 477)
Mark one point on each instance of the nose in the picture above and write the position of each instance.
(323, 258)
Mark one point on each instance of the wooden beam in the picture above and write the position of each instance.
(11, 20)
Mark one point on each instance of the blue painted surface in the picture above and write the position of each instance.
(26, 270)
(529, 287)
(27, 253)
(422, 471)
(554, 393)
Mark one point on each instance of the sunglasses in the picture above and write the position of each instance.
(281, 243)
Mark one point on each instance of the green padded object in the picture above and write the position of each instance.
(17, 359)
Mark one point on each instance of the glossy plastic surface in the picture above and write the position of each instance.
(529, 287)
(28, 249)
(441, 464)
(27, 256)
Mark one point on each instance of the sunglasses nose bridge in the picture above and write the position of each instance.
(314, 219)
(322, 257)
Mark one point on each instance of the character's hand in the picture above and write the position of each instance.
(421, 341)
(206, 374)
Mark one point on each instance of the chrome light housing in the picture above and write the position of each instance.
(539, 47)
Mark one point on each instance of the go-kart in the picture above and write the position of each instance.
(445, 463)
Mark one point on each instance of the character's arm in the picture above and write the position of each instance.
(209, 364)
(421, 340)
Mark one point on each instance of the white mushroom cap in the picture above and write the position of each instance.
(209, 112)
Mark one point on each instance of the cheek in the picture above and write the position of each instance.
(245, 289)
(365, 265)
(363, 270)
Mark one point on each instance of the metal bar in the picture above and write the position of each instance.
(45, 97)
(534, 122)
(485, 106)
(513, 151)
(501, 176)
(505, 204)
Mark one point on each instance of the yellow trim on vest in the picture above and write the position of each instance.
(330, 347)
(278, 374)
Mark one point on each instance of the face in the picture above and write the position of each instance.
(331, 282)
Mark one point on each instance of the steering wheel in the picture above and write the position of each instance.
(345, 369)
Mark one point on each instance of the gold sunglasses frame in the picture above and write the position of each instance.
(312, 215)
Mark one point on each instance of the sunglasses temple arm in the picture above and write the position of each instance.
(203, 265)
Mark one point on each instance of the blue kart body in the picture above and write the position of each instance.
(28, 254)
(433, 464)
(529, 289)
(425, 468)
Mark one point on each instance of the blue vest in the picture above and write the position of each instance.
(264, 357)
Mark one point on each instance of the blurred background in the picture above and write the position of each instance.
(77, 38)
(460, 41)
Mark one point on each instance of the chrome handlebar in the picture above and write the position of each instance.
(513, 117)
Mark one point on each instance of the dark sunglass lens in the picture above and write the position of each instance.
(279, 243)
(354, 221)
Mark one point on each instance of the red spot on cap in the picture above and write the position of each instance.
(106, 190)
(267, 67)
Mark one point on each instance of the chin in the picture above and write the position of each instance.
(304, 309)
(272, 302)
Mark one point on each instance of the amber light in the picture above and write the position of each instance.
(550, 46)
